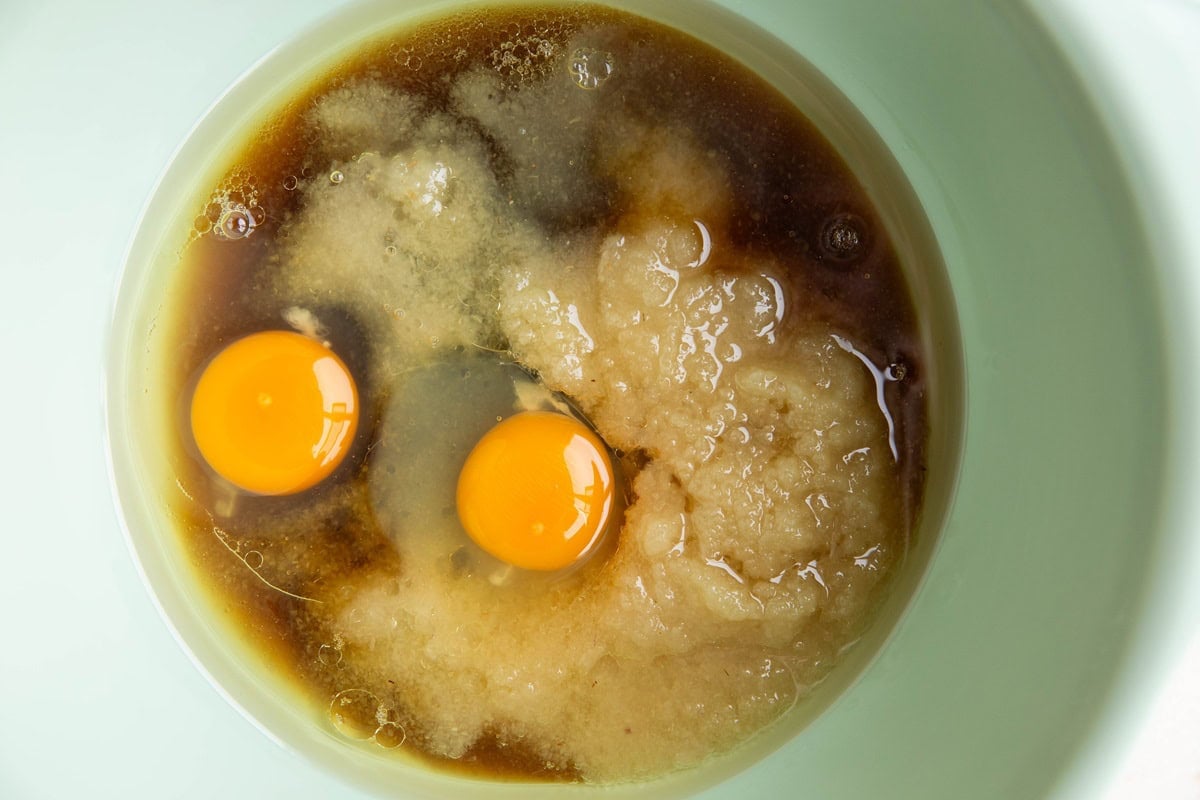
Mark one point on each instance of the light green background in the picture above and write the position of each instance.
(1016, 647)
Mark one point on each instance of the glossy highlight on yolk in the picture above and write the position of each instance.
(275, 412)
(537, 491)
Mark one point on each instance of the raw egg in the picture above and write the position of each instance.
(275, 412)
(537, 491)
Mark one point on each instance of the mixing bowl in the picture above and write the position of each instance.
(1020, 633)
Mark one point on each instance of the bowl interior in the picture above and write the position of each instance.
(1012, 642)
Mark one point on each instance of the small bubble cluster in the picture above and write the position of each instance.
(360, 716)
(405, 57)
(590, 67)
(528, 54)
(844, 238)
(232, 212)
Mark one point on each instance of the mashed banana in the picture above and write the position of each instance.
(767, 505)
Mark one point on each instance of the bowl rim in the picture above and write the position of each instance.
(1156, 170)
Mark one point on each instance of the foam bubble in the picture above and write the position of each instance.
(590, 67)
(232, 212)
(329, 655)
(235, 223)
(353, 713)
(844, 238)
(390, 735)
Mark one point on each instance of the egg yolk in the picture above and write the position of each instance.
(275, 412)
(536, 491)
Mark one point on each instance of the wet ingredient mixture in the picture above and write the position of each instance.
(551, 401)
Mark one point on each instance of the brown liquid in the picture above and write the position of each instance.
(794, 199)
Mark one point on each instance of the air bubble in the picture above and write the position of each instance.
(290, 183)
(353, 713)
(254, 559)
(329, 655)
(336, 176)
(235, 223)
(896, 371)
(405, 57)
(390, 735)
(390, 250)
(591, 67)
(844, 238)
(202, 224)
